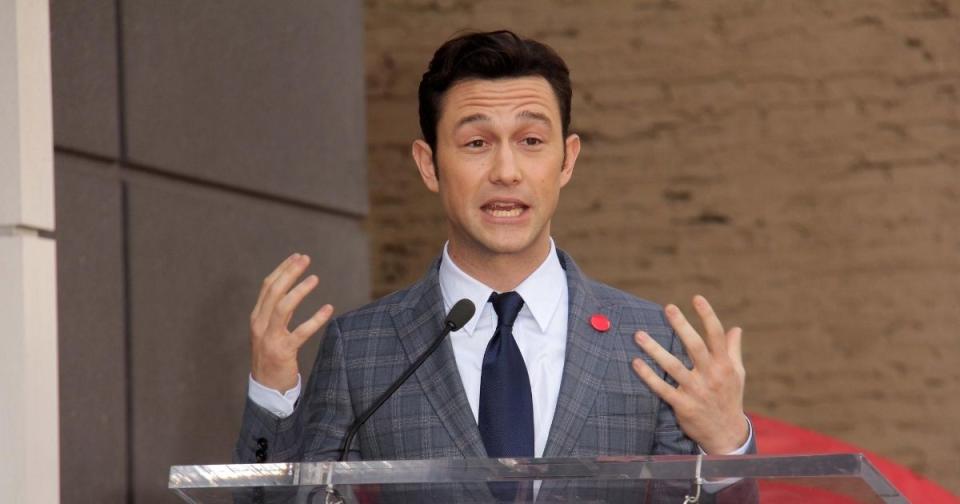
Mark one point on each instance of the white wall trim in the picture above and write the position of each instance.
(29, 416)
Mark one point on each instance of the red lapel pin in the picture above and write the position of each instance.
(600, 322)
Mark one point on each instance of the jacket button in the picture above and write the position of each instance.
(262, 443)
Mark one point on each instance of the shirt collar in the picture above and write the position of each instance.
(541, 291)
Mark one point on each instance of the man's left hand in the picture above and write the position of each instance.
(708, 399)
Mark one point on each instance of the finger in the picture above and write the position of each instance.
(695, 345)
(696, 348)
(269, 280)
(304, 331)
(284, 311)
(281, 285)
(735, 345)
(666, 360)
(660, 387)
(711, 323)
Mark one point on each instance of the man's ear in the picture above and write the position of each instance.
(571, 149)
(423, 156)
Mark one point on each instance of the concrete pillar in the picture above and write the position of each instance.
(29, 469)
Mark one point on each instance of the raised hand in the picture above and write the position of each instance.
(273, 347)
(708, 399)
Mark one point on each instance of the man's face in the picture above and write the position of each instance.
(501, 160)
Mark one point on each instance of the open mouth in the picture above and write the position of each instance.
(504, 208)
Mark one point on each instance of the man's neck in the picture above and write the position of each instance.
(502, 272)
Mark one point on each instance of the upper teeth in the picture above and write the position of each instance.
(506, 213)
(505, 209)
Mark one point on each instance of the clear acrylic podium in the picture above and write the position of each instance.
(834, 478)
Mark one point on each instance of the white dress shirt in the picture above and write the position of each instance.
(540, 331)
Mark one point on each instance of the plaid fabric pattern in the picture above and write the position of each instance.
(603, 407)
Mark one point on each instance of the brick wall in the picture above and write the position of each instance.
(794, 161)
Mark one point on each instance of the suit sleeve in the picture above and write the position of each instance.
(319, 422)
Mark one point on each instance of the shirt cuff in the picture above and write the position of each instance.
(715, 485)
(280, 404)
(739, 451)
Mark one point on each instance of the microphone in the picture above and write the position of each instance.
(461, 312)
(459, 315)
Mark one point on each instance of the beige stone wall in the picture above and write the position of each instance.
(794, 161)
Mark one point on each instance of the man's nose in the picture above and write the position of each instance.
(505, 169)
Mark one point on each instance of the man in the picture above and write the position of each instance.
(552, 364)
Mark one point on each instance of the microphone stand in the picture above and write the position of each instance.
(352, 432)
(461, 312)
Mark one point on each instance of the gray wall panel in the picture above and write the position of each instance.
(84, 66)
(244, 141)
(250, 95)
(197, 259)
(93, 408)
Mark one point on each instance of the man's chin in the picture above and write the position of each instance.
(512, 246)
(489, 243)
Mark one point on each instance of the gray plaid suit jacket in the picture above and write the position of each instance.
(603, 407)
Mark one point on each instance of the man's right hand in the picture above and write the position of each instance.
(273, 347)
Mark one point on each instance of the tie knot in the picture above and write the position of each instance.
(507, 305)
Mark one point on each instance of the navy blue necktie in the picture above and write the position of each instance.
(506, 405)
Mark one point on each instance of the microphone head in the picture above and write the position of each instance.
(460, 314)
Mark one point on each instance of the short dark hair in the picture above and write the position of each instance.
(489, 55)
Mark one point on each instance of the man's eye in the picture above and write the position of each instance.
(475, 143)
(532, 141)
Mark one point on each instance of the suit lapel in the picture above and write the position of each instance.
(418, 320)
(584, 366)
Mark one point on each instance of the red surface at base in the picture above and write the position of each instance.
(775, 492)
(779, 438)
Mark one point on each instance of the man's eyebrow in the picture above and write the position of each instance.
(525, 114)
(470, 119)
(535, 116)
